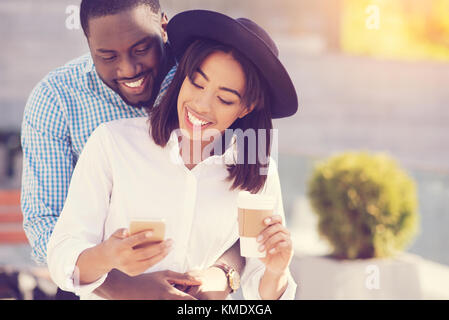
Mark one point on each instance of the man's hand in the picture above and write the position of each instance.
(148, 286)
(214, 281)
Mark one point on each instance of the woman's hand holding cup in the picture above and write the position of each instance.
(275, 240)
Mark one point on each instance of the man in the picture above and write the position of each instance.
(124, 72)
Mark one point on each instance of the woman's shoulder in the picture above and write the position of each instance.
(121, 125)
(272, 182)
(123, 130)
(272, 167)
(125, 127)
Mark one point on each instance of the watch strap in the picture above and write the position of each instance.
(228, 270)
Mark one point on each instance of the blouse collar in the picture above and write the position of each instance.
(226, 158)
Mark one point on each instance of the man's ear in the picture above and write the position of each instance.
(164, 23)
(247, 111)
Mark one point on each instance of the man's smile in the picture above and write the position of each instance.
(135, 86)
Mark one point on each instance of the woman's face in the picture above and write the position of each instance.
(212, 99)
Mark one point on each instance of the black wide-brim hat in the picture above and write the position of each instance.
(249, 39)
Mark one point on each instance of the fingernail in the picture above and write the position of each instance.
(259, 238)
(148, 234)
(168, 243)
(267, 220)
(262, 248)
(272, 251)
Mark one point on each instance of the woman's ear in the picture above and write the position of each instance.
(247, 111)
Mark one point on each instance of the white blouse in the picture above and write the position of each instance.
(122, 174)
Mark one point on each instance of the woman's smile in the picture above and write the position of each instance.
(194, 120)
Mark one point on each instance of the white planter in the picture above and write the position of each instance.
(403, 277)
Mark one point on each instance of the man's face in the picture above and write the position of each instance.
(128, 52)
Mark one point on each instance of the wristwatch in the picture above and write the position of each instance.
(232, 275)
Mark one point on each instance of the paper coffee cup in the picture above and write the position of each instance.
(253, 209)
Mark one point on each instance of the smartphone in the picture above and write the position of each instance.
(156, 226)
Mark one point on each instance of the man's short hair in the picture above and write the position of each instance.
(100, 8)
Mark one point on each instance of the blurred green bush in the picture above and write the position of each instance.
(367, 205)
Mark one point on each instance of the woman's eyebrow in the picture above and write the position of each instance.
(232, 91)
(202, 73)
(221, 88)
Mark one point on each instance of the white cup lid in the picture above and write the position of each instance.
(247, 200)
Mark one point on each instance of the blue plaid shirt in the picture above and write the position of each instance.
(61, 113)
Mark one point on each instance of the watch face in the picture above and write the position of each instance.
(234, 280)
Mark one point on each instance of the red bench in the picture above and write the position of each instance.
(11, 230)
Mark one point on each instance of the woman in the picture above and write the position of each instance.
(182, 166)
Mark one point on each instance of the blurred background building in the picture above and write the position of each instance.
(371, 75)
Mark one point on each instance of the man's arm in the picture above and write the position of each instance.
(47, 167)
(148, 286)
(163, 285)
(233, 258)
(214, 280)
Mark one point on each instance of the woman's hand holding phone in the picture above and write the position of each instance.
(128, 253)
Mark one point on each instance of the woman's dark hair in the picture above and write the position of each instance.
(245, 174)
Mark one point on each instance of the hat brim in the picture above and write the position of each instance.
(186, 26)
